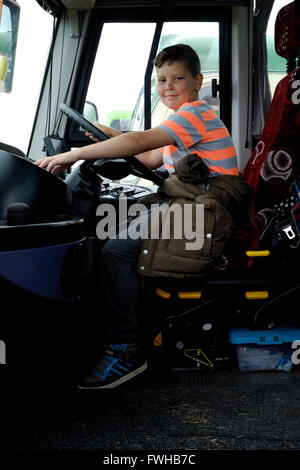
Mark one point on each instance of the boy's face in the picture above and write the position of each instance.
(176, 85)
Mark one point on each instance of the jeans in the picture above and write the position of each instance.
(121, 286)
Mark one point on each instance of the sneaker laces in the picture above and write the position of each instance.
(112, 348)
(121, 350)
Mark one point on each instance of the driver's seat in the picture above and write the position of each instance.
(265, 256)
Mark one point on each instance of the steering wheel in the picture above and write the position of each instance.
(88, 126)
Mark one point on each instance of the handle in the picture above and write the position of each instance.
(215, 87)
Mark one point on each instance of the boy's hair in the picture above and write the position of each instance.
(179, 53)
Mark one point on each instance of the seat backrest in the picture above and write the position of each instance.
(275, 161)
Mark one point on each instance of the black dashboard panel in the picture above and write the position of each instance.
(47, 196)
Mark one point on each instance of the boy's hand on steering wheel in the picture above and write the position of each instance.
(59, 162)
(91, 136)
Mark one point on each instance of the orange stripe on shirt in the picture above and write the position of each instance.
(220, 169)
(180, 131)
(169, 150)
(168, 167)
(216, 134)
(220, 154)
(209, 115)
(194, 120)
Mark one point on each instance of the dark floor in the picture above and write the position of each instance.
(164, 410)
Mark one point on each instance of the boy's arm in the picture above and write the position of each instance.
(152, 159)
(124, 145)
(110, 131)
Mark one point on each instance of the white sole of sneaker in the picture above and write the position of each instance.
(117, 382)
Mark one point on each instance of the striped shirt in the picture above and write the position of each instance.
(196, 128)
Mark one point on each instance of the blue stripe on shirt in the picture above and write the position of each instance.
(173, 134)
(219, 144)
(191, 130)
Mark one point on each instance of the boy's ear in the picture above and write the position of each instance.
(198, 81)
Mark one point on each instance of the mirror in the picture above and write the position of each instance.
(9, 24)
(90, 112)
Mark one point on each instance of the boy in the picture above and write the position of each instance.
(193, 128)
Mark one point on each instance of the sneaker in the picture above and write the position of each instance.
(120, 362)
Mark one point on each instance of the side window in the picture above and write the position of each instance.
(9, 20)
(18, 107)
(118, 71)
(276, 64)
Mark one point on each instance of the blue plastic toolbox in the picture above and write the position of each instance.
(265, 349)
